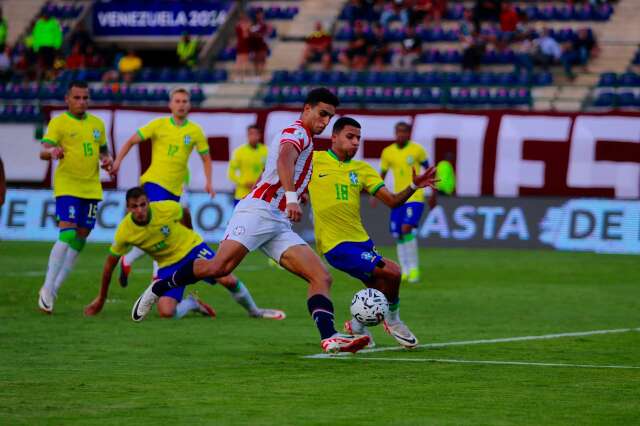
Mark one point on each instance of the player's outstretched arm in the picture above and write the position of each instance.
(96, 305)
(286, 171)
(206, 163)
(426, 179)
(133, 140)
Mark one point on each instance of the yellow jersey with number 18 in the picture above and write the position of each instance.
(171, 146)
(78, 172)
(164, 238)
(400, 161)
(335, 189)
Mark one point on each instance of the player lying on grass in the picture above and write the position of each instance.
(156, 229)
(77, 140)
(262, 220)
(335, 188)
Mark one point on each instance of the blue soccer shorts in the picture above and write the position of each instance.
(201, 251)
(356, 259)
(406, 214)
(81, 211)
(156, 192)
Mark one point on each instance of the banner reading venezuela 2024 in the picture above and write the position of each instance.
(158, 17)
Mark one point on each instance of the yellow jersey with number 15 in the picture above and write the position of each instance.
(335, 189)
(78, 172)
(164, 238)
(171, 146)
(400, 161)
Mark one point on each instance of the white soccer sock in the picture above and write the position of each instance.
(56, 259)
(241, 295)
(411, 248)
(69, 261)
(394, 315)
(155, 269)
(187, 305)
(402, 256)
(134, 254)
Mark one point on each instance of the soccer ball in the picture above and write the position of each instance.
(369, 306)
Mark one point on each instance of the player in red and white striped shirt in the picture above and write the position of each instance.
(263, 220)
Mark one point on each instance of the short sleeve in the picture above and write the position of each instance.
(384, 161)
(371, 180)
(103, 136)
(120, 246)
(294, 136)
(422, 154)
(202, 144)
(148, 130)
(53, 134)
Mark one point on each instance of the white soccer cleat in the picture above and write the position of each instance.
(143, 305)
(349, 329)
(344, 343)
(274, 314)
(399, 331)
(45, 300)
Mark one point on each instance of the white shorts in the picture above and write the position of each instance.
(184, 198)
(255, 224)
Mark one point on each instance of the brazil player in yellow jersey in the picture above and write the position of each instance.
(403, 158)
(77, 140)
(335, 188)
(247, 163)
(172, 139)
(156, 228)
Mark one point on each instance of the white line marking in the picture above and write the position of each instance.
(462, 361)
(483, 341)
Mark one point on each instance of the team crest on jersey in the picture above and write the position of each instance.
(299, 134)
(165, 230)
(409, 159)
(353, 178)
(187, 139)
(96, 134)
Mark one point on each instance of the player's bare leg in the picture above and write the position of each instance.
(305, 263)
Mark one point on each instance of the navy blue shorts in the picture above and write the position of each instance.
(236, 201)
(356, 259)
(80, 211)
(406, 214)
(156, 192)
(202, 251)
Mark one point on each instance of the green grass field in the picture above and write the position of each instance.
(68, 369)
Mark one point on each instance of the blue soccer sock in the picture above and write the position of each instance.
(321, 310)
(183, 276)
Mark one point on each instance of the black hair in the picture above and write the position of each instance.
(321, 94)
(135, 192)
(77, 83)
(253, 126)
(343, 122)
(403, 124)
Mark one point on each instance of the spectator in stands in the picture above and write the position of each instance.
(243, 28)
(547, 50)
(46, 39)
(579, 51)
(3, 30)
(465, 27)
(187, 50)
(258, 33)
(508, 20)
(80, 36)
(358, 9)
(395, 12)
(318, 45)
(76, 60)
(426, 11)
(473, 52)
(355, 57)
(129, 65)
(93, 59)
(486, 10)
(524, 55)
(5, 64)
(410, 50)
(380, 53)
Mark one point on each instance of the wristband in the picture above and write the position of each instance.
(291, 196)
(413, 186)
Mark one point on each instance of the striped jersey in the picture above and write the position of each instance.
(269, 187)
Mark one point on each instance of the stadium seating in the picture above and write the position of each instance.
(276, 12)
(20, 113)
(152, 75)
(63, 11)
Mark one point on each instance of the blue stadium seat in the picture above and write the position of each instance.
(626, 99)
(629, 79)
(197, 95)
(605, 99)
(608, 79)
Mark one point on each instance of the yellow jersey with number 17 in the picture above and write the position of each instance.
(246, 166)
(78, 172)
(335, 189)
(400, 161)
(171, 146)
(164, 238)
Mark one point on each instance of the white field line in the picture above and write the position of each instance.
(480, 362)
(483, 341)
